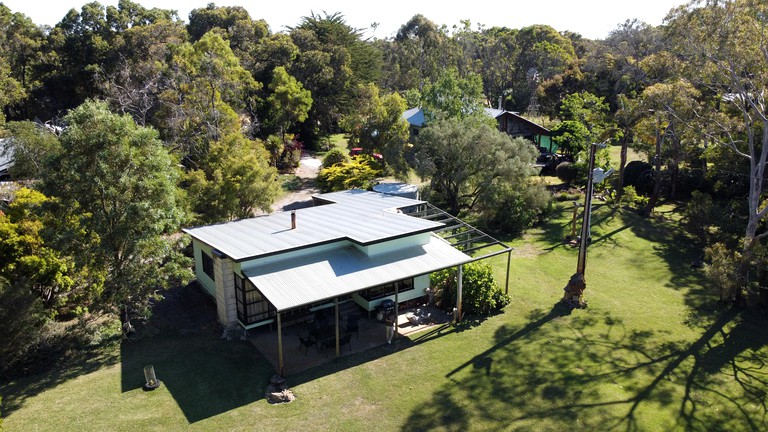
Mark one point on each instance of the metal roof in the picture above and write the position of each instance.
(312, 278)
(415, 116)
(360, 216)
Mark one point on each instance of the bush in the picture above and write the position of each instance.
(639, 175)
(567, 172)
(481, 295)
(723, 271)
(334, 157)
(23, 318)
(360, 173)
(513, 210)
(631, 198)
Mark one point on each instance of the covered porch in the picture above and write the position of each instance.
(370, 334)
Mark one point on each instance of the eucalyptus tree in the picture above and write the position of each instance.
(724, 46)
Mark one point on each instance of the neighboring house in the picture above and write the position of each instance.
(6, 160)
(352, 246)
(510, 122)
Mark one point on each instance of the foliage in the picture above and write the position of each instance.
(119, 182)
(235, 181)
(723, 271)
(514, 209)
(481, 295)
(289, 100)
(23, 317)
(29, 144)
(631, 198)
(360, 173)
(567, 172)
(452, 96)
(571, 136)
(639, 175)
(335, 156)
(33, 265)
(376, 124)
(464, 159)
(208, 88)
(700, 215)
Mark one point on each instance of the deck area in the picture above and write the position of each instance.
(371, 333)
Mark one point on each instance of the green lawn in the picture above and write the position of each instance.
(652, 352)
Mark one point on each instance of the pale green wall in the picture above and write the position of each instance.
(206, 282)
(394, 245)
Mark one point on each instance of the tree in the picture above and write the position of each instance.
(207, 88)
(673, 110)
(452, 96)
(289, 102)
(235, 179)
(724, 44)
(22, 317)
(29, 144)
(120, 183)
(376, 124)
(464, 158)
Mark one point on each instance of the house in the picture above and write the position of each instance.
(6, 159)
(510, 122)
(351, 246)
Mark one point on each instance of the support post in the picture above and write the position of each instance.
(280, 366)
(336, 314)
(509, 262)
(397, 309)
(458, 293)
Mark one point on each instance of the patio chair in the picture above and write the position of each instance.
(306, 343)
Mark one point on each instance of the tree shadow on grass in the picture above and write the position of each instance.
(205, 375)
(81, 361)
(591, 372)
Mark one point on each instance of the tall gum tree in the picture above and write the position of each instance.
(726, 46)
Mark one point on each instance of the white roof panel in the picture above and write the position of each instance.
(360, 216)
(310, 279)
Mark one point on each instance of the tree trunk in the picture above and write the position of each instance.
(622, 165)
(657, 177)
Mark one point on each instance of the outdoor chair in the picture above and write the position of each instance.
(352, 327)
(346, 340)
(306, 343)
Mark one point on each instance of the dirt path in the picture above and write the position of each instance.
(307, 171)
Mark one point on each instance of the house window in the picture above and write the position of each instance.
(385, 290)
(252, 306)
(208, 265)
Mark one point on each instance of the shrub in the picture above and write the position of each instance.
(334, 157)
(567, 172)
(360, 173)
(515, 209)
(481, 294)
(631, 198)
(639, 174)
(723, 271)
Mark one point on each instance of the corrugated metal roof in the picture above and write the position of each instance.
(363, 217)
(414, 116)
(313, 278)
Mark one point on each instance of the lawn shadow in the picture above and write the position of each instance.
(204, 374)
(563, 373)
(85, 360)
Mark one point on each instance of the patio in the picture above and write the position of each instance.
(371, 333)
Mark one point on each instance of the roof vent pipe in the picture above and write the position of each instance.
(293, 219)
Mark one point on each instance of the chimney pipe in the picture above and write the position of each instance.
(293, 219)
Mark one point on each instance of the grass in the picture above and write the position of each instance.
(652, 352)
